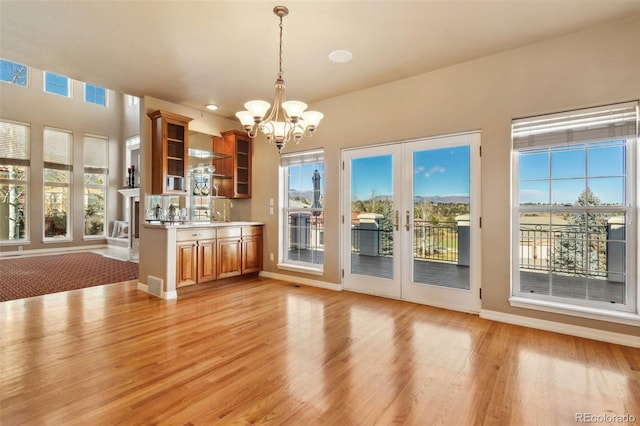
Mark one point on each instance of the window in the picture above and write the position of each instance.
(14, 181)
(302, 218)
(131, 100)
(575, 213)
(57, 183)
(13, 73)
(57, 84)
(95, 94)
(95, 184)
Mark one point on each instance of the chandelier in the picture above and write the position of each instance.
(287, 119)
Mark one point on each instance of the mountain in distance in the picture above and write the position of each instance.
(447, 199)
(301, 194)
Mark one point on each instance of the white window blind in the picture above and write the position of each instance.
(95, 153)
(580, 126)
(57, 148)
(306, 157)
(14, 141)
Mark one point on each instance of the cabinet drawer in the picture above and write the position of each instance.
(229, 231)
(196, 234)
(251, 230)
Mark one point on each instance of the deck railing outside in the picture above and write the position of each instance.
(565, 249)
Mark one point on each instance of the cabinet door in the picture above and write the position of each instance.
(206, 260)
(229, 257)
(242, 167)
(251, 254)
(186, 267)
(237, 166)
(169, 152)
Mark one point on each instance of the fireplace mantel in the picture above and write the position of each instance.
(132, 207)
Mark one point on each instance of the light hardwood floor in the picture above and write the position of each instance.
(267, 352)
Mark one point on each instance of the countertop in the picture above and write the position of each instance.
(200, 225)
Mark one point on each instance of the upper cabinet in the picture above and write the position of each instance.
(169, 152)
(234, 171)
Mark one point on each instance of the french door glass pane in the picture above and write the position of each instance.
(372, 216)
(441, 213)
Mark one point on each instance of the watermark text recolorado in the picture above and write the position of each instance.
(605, 418)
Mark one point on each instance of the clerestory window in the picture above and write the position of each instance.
(57, 84)
(13, 73)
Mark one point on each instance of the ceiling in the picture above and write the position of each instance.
(226, 52)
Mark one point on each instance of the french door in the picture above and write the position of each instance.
(411, 221)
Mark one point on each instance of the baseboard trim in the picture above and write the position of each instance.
(51, 250)
(170, 295)
(557, 327)
(298, 280)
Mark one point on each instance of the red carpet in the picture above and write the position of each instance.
(38, 275)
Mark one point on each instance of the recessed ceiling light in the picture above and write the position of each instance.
(212, 107)
(340, 56)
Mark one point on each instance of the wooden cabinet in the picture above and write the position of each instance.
(229, 253)
(169, 152)
(239, 250)
(186, 263)
(251, 249)
(196, 256)
(214, 253)
(234, 169)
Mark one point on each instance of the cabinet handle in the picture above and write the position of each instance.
(408, 224)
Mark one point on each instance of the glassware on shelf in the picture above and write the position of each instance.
(204, 190)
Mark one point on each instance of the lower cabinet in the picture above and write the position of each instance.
(207, 254)
(239, 250)
(196, 256)
(251, 249)
(229, 252)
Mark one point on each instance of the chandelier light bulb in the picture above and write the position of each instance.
(246, 119)
(312, 118)
(294, 109)
(257, 109)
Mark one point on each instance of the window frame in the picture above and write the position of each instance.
(95, 89)
(50, 74)
(315, 157)
(26, 163)
(14, 65)
(65, 185)
(625, 313)
(96, 169)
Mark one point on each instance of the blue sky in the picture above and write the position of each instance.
(560, 175)
(301, 177)
(436, 172)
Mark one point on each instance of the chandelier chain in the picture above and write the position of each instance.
(280, 72)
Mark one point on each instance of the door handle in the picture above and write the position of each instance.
(396, 222)
(408, 224)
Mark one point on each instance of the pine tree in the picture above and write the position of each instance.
(579, 250)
